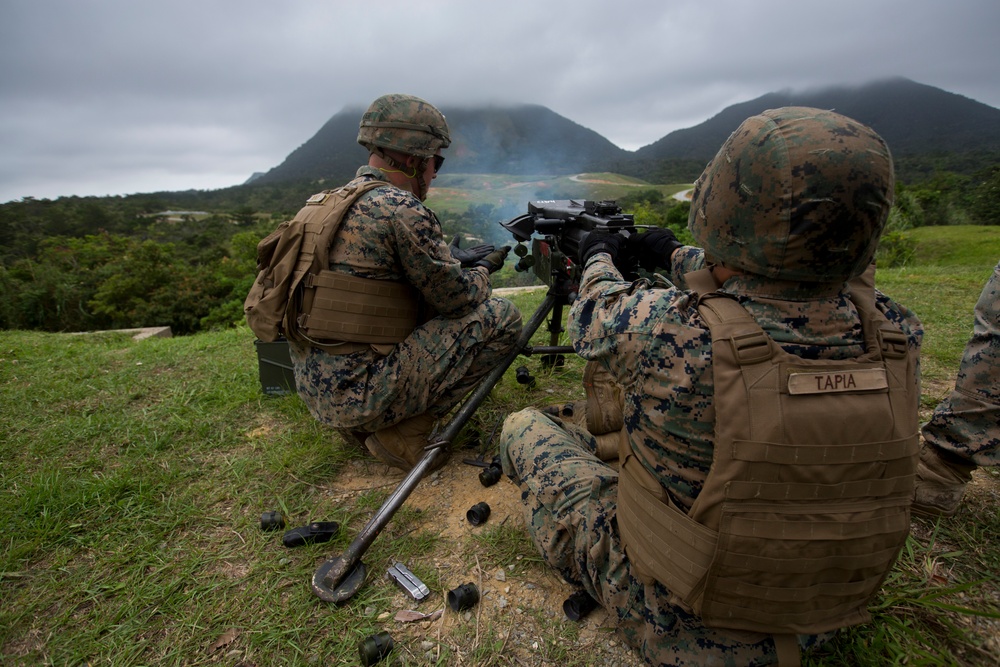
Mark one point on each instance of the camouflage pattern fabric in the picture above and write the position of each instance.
(650, 337)
(389, 235)
(404, 123)
(967, 422)
(795, 193)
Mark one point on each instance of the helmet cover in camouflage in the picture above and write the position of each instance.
(404, 123)
(795, 194)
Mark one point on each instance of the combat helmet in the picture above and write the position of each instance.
(796, 194)
(404, 123)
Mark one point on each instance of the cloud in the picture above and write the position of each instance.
(115, 96)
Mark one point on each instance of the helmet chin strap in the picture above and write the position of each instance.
(398, 167)
(397, 171)
(422, 185)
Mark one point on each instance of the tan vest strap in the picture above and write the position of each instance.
(750, 490)
(787, 648)
(873, 522)
(743, 450)
(358, 310)
(879, 335)
(701, 281)
(892, 343)
(730, 322)
(802, 564)
(604, 400)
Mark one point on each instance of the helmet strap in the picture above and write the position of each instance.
(422, 185)
(397, 171)
(397, 166)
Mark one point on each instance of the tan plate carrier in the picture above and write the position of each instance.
(296, 295)
(806, 505)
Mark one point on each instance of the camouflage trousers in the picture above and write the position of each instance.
(571, 498)
(430, 371)
(967, 422)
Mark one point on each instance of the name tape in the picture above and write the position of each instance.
(828, 382)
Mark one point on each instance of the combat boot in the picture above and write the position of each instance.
(940, 483)
(352, 438)
(402, 445)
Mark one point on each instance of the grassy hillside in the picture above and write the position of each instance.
(134, 474)
(941, 285)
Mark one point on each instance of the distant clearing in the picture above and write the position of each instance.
(456, 192)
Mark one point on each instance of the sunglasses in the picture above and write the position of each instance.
(438, 161)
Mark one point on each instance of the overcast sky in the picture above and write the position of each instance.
(105, 97)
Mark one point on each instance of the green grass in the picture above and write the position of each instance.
(942, 286)
(957, 246)
(133, 475)
(502, 546)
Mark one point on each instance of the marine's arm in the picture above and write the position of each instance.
(428, 264)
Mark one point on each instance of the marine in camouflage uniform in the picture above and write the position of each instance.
(388, 234)
(964, 431)
(649, 335)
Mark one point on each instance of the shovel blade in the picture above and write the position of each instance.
(331, 583)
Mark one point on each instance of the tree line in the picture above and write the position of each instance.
(88, 263)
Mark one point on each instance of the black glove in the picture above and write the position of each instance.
(469, 256)
(494, 260)
(595, 242)
(653, 248)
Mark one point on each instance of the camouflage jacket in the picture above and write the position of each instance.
(388, 234)
(650, 336)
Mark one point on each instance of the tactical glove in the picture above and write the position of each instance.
(653, 248)
(494, 260)
(595, 242)
(468, 257)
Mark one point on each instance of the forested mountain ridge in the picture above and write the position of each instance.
(523, 139)
(916, 120)
(912, 117)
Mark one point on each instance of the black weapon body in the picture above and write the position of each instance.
(556, 228)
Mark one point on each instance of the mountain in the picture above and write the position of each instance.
(524, 139)
(332, 153)
(913, 118)
(918, 121)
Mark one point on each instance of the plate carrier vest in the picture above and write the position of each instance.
(297, 296)
(807, 502)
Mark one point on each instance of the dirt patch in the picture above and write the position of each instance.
(519, 620)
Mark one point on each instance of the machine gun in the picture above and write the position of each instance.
(562, 225)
